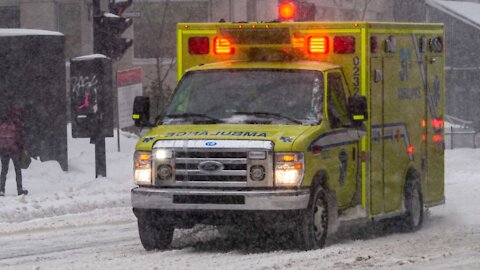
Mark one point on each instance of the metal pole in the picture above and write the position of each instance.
(100, 158)
(451, 137)
(474, 143)
(115, 101)
(118, 119)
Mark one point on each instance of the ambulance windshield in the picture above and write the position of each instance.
(248, 96)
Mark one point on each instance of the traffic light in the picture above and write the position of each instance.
(117, 7)
(296, 10)
(108, 29)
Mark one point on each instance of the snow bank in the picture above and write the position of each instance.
(53, 192)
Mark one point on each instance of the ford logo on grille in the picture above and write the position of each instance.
(210, 143)
(210, 166)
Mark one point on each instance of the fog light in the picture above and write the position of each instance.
(257, 173)
(143, 176)
(164, 172)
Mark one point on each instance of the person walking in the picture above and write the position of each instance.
(12, 146)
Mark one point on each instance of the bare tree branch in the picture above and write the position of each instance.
(365, 7)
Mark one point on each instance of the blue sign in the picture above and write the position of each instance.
(148, 139)
(286, 139)
(210, 143)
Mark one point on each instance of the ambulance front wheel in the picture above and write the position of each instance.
(154, 235)
(414, 206)
(314, 222)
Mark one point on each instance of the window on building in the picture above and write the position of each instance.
(9, 17)
(154, 39)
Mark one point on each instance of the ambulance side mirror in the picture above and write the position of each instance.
(141, 111)
(357, 106)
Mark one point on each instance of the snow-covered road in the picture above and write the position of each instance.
(97, 244)
(73, 221)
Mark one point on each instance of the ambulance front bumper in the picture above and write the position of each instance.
(203, 199)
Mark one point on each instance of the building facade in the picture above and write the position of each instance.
(154, 23)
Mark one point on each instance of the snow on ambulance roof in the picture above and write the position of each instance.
(467, 12)
(10, 32)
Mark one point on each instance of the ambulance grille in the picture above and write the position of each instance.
(234, 166)
(212, 163)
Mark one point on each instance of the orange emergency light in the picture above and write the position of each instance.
(223, 46)
(318, 45)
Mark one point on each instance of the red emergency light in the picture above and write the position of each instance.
(198, 45)
(287, 11)
(344, 44)
(223, 46)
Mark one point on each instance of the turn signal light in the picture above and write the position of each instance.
(318, 45)
(298, 42)
(223, 46)
(288, 158)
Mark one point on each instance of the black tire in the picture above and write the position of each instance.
(314, 222)
(154, 235)
(414, 207)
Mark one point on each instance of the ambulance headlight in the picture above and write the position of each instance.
(142, 168)
(162, 154)
(289, 168)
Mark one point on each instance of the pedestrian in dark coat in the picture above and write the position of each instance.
(12, 146)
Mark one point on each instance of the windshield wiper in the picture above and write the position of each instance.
(194, 115)
(270, 114)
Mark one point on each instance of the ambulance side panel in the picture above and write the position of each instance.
(406, 97)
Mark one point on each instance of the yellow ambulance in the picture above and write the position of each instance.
(294, 127)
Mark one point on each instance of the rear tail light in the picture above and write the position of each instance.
(198, 45)
(437, 138)
(344, 44)
(437, 123)
(318, 45)
(223, 46)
